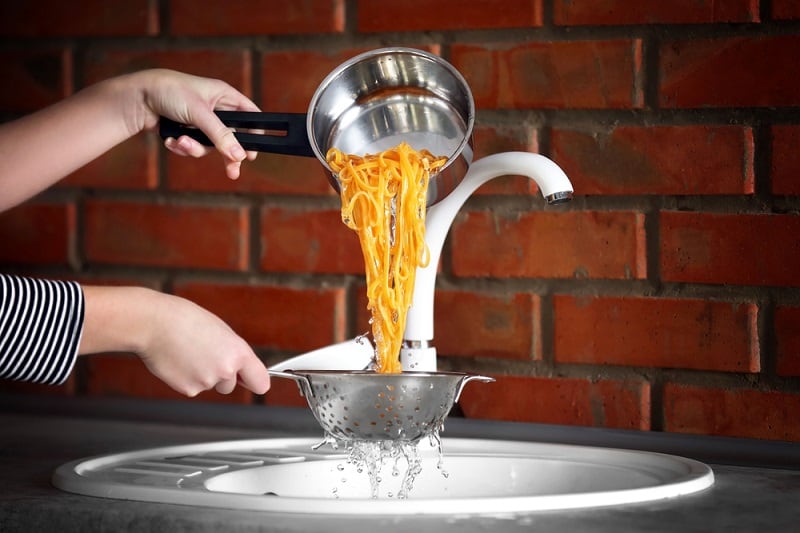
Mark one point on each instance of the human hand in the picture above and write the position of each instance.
(192, 350)
(184, 345)
(86, 125)
(192, 100)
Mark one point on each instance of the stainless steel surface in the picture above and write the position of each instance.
(370, 406)
(559, 197)
(378, 99)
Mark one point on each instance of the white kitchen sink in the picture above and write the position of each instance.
(476, 477)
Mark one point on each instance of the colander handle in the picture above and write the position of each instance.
(302, 381)
(284, 133)
(467, 379)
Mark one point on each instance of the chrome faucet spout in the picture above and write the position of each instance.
(560, 197)
(554, 186)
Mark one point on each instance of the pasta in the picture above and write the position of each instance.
(384, 201)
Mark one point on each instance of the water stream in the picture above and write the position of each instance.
(370, 457)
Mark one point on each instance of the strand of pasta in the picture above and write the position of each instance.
(384, 201)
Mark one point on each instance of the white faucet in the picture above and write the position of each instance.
(418, 353)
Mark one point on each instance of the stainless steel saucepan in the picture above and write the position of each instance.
(366, 105)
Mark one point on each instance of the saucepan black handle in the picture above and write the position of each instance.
(284, 133)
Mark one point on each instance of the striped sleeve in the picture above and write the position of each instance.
(41, 322)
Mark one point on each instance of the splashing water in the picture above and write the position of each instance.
(370, 457)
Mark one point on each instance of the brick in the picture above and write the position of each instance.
(255, 17)
(290, 78)
(553, 75)
(34, 78)
(505, 326)
(581, 402)
(785, 162)
(132, 165)
(731, 413)
(230, 65)
(549, 244)
(445, 15)
(708, 73)
(735, 249)
(274, 317)
(484, 325)
(268, 174)
(614, 12)
(125, 375)
(785, 10)
(186, 236)
(297, 240)
(674, 160)
(284, 392)
(38, 233)
(136, 279)
(488, 140)
(79, 18)
(656, 332)
(787, 340)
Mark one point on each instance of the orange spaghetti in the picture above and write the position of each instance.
(384, 201)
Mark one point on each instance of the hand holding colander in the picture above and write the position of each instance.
(369, 406)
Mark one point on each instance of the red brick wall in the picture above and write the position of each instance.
(665, 297)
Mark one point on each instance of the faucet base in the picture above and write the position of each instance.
(422, 359)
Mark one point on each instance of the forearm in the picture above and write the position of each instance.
(184, 345)
(41, 148)
(45, 324)
(38, 150)
(117, 319)
(40, 326)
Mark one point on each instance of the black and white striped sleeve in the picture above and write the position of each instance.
(41, 322)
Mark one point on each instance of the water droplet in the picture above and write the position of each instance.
(369, 457)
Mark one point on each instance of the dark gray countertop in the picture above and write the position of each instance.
(757, 483)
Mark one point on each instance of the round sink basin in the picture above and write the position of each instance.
(476, 477)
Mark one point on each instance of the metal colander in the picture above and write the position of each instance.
(366, 405)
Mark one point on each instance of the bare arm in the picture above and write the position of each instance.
(186, 346)
(41, 148)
